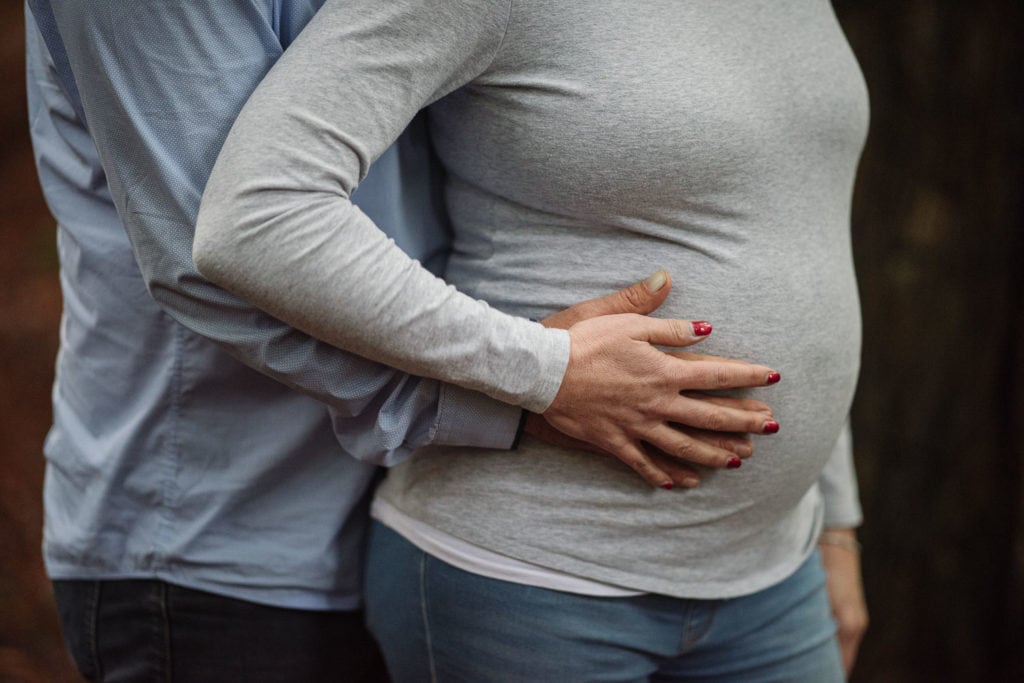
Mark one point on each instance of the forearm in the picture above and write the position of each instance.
(840, 549)
(840, 556)
(340, 279)
(277, 225)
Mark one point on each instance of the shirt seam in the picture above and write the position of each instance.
(172, 455)
(504, 33)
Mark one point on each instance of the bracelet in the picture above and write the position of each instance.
(840, 541)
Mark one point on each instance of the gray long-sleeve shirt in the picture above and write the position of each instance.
(584, 143)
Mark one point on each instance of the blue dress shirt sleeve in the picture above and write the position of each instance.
(159, 85)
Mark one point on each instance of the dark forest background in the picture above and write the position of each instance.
(938, 417)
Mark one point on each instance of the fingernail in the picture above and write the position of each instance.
(771, 427)
(734, 463)
(773, 377)
(656, 281)
(701, 328)
(668, 486)
(691, 482)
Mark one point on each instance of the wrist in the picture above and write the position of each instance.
(840, 538)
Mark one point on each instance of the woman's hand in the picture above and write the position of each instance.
(840, 555)
(622, 396)
(679, 473)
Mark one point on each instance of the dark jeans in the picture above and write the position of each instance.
(155, 631)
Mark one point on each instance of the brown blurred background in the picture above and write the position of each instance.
(940, 410)
(30, 647)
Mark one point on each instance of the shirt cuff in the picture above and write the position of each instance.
(554, 355)
(469, 418)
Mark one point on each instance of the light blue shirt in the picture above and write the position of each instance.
(191, 441)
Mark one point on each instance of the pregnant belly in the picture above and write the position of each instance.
(592, 516)
(798, 314)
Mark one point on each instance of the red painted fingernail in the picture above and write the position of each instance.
(773, 377)
(771, 427)
(668, 486)
(701, 328)
(733, 463)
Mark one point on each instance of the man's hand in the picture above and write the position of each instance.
(622, 396)
(840, 556)
(640, 298)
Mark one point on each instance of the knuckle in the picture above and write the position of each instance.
(640, 465)
(680, 330)
(685, 449)
(714, 421)
(631, 299)
(721, 377)
(696, 376)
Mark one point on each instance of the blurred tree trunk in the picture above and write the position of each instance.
(940, 256)
(31, 649)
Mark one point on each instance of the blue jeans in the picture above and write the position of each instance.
(150, 631)
(438, 623)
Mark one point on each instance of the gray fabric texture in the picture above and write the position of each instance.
(282, 213)
(585, 143)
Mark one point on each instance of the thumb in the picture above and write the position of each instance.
(641, 298)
